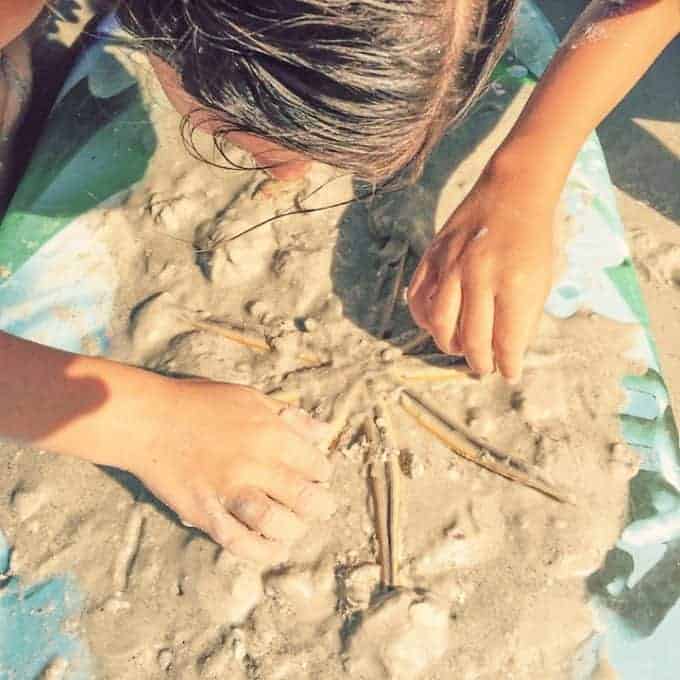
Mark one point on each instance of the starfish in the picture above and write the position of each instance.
(376, 378)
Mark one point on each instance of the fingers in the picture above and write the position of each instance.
(476, 326)
(514, 323)
(295, 453)
(304, 425)
(422, 286)
(308, 500)
(259, 522)
(463, 315)
(296, 443)
(444, 310)
(235, 537)
(434, 293)
(265, 516)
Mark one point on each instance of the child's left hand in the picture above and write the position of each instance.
(480, 287)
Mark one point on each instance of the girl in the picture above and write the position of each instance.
(370, 87)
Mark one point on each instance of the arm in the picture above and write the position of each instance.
(16, 17)
(15, 76)
(222, 456)
(482, 284)
(606, 52)
(72, 404)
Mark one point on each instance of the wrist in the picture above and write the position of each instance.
(540, 167)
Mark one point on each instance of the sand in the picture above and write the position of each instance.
(492, 576)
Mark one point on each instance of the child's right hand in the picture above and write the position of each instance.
(238, 465)
(481, 285)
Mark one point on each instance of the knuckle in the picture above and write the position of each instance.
(252, 509)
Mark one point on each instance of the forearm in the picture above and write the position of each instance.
(604, 55)
(15, 91)
(16, 17)
(75, 405)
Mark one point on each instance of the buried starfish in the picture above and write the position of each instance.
(376, 378)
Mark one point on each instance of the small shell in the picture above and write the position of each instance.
(390, 354)
(310, 325)
(360, 584)
(164, 659)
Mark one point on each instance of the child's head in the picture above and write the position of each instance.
(365, 85)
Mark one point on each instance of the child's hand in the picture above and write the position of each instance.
(480, 287)
(238, 465)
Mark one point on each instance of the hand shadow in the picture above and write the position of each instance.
(411, 214)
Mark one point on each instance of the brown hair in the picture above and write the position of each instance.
(369, 86)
